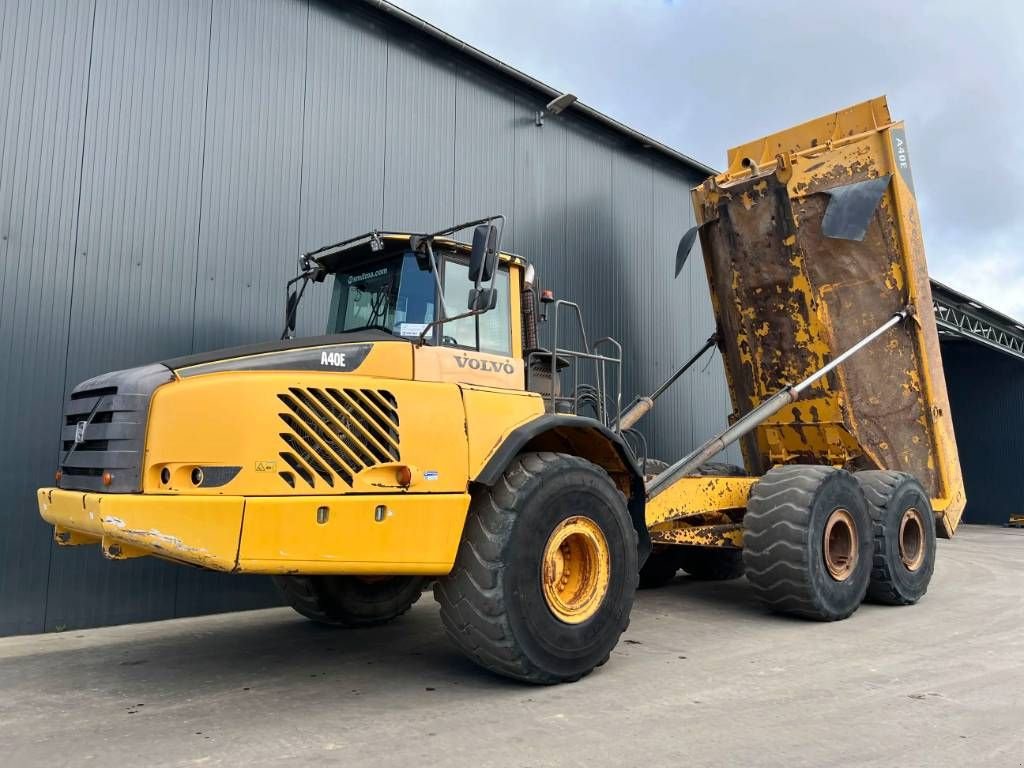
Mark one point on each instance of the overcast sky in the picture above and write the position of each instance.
(704, 75)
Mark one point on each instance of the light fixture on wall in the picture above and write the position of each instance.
(554, 107)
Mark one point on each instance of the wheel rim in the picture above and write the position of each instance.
(840, 544)
(575, 569)
(912, 539)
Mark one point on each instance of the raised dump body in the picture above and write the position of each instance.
(812, 240)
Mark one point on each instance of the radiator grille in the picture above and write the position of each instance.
(104, 429)
(333, 434)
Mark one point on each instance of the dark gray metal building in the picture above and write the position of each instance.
(983, 357)
(161, 165)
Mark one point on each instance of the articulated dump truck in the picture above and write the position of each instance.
(430, 438)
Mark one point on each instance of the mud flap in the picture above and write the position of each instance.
(851, 207)
(685, 246)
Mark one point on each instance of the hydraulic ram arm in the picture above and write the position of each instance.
(788, 394)
(642, 405)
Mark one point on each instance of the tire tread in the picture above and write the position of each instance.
(879, 488)
(473, 610)
(776, 528)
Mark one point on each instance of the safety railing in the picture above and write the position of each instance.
(603, 354)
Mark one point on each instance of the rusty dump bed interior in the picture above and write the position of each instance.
(793, 287)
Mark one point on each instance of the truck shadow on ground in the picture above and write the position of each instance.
(264, 648)
(734, 598)
(274, 652)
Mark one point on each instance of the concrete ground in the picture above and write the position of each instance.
(702, 677)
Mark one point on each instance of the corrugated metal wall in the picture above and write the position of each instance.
(986, 396)
(161, 164)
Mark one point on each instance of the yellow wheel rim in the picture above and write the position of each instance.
(840, 544)
(575, 569)
(912, 540)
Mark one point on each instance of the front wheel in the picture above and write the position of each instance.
(351, 601)
(545, 575)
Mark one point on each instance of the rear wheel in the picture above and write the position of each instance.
(903, 527)
(711, 563)
(654, 467)
(720, 469)
(351, 601)
(807, 542)
(545, 575)
(661, 567)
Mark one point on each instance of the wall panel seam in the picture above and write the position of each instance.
(302, 140)
(74, 262)
(384, 139)
(202, 178)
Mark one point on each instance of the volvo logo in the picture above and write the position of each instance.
(80, 432)
(484, 365)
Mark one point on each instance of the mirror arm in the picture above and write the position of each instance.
(291, 312)
(421, 339)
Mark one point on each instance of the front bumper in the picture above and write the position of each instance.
(364, 534)
(200, 530)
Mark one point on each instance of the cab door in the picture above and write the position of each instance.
(484, 349)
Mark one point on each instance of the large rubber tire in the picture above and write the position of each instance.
(351, 601)
(890, 495)
(784, 541)
(493, 605)
(654, 467)
(720, 469)
(711, 563)
(664, 562)
(714, 563)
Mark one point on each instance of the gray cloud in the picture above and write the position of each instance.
(704, 76)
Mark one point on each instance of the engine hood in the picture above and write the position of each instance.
(339, 352)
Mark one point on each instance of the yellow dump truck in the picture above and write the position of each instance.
(430, 437)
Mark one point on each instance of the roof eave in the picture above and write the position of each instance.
(507, 70)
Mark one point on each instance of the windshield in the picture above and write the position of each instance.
(396, 296)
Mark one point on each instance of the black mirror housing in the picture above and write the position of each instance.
(484, 257)
(289, 310)
(482, 300)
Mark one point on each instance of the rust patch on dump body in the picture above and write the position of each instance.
(862, 282)
(788, 299)
(770, 336)
(791, 298)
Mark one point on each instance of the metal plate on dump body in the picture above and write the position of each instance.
(788, 298)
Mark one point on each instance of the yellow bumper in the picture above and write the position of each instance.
(359, 535)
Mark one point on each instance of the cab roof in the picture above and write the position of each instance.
(376, 245)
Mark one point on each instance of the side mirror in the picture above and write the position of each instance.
(482, 300)
(484, 257)
(289, 310)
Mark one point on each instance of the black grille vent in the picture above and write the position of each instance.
(104, 429)
(333, 434)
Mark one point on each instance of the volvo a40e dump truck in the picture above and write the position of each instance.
(430, 437)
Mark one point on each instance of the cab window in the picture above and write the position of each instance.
(489, 332)
(398, 295)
